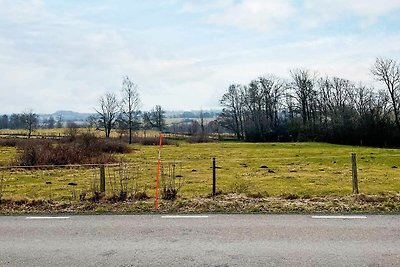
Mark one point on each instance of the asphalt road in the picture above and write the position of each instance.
(206, 240)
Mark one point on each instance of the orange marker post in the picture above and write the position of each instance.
(158, 173)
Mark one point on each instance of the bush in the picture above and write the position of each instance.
(10, 142)
(84, 149)
(114, 146)
(150, 141)
(199, 139)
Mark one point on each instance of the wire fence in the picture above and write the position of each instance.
(268, 176)
(83, 182)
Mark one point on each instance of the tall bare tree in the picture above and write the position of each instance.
(262, 100)
(232, 113)
(388, 71)
(130, 105)
(202, 122)
(30, 120)
(108, 111)
(305, 95)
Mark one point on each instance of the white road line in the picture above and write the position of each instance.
(339, 217)
(184, 216)
(45, 218)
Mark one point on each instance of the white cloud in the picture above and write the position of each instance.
(256, 15)
(21, 11)
(261, 15)
(65, 60)
(363, 8)
(318, 12)
(195, 6)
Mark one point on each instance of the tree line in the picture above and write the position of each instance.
(306, 107)
(312, 108)
(22, 121)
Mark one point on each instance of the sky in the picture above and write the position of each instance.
(182, 54)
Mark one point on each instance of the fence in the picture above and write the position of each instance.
(193, 177)
(89, 181)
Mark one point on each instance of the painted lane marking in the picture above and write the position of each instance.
(184, 217)
(339, 217)
(46, 218)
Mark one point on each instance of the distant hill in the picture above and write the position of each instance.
(66, 115)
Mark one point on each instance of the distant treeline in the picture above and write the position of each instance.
(20, 121)
(311, 108)
(196, 114)
(304, 108)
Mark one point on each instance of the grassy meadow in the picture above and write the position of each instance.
(254, 169)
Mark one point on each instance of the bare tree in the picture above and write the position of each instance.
(4, 122)
(30, 120)
(130, 106)
(202, 123)
(155, 118)
(108, 111)
(232, 114)
(50, 122)
(388, 71)
(91, 122)
(304, 93)
(262, 100)
(59, 122)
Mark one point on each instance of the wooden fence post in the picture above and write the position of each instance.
(102, 179)
(354, 172)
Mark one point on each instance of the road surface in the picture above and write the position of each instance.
(201, 240)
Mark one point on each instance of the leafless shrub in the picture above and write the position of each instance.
(150, 141)
(9, 142)
(141, 195)
(96, 195)
(114, 146)
(84, 149)
(123, 183)
(199, 139)
(171, 180)
(72, 130)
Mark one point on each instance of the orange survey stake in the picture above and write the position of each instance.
(158, 173)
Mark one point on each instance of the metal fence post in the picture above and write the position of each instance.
(354, 172)
(214, 179)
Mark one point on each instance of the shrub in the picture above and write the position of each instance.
(140, 196)
(150, 141)
(199, 139)
(11, 142)
(114, 146)
(84, 149)
(171, 181)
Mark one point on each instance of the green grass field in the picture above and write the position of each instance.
(266, 169)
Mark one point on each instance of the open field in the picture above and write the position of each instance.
(274, 169)
(262, 169)
(61, 132)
